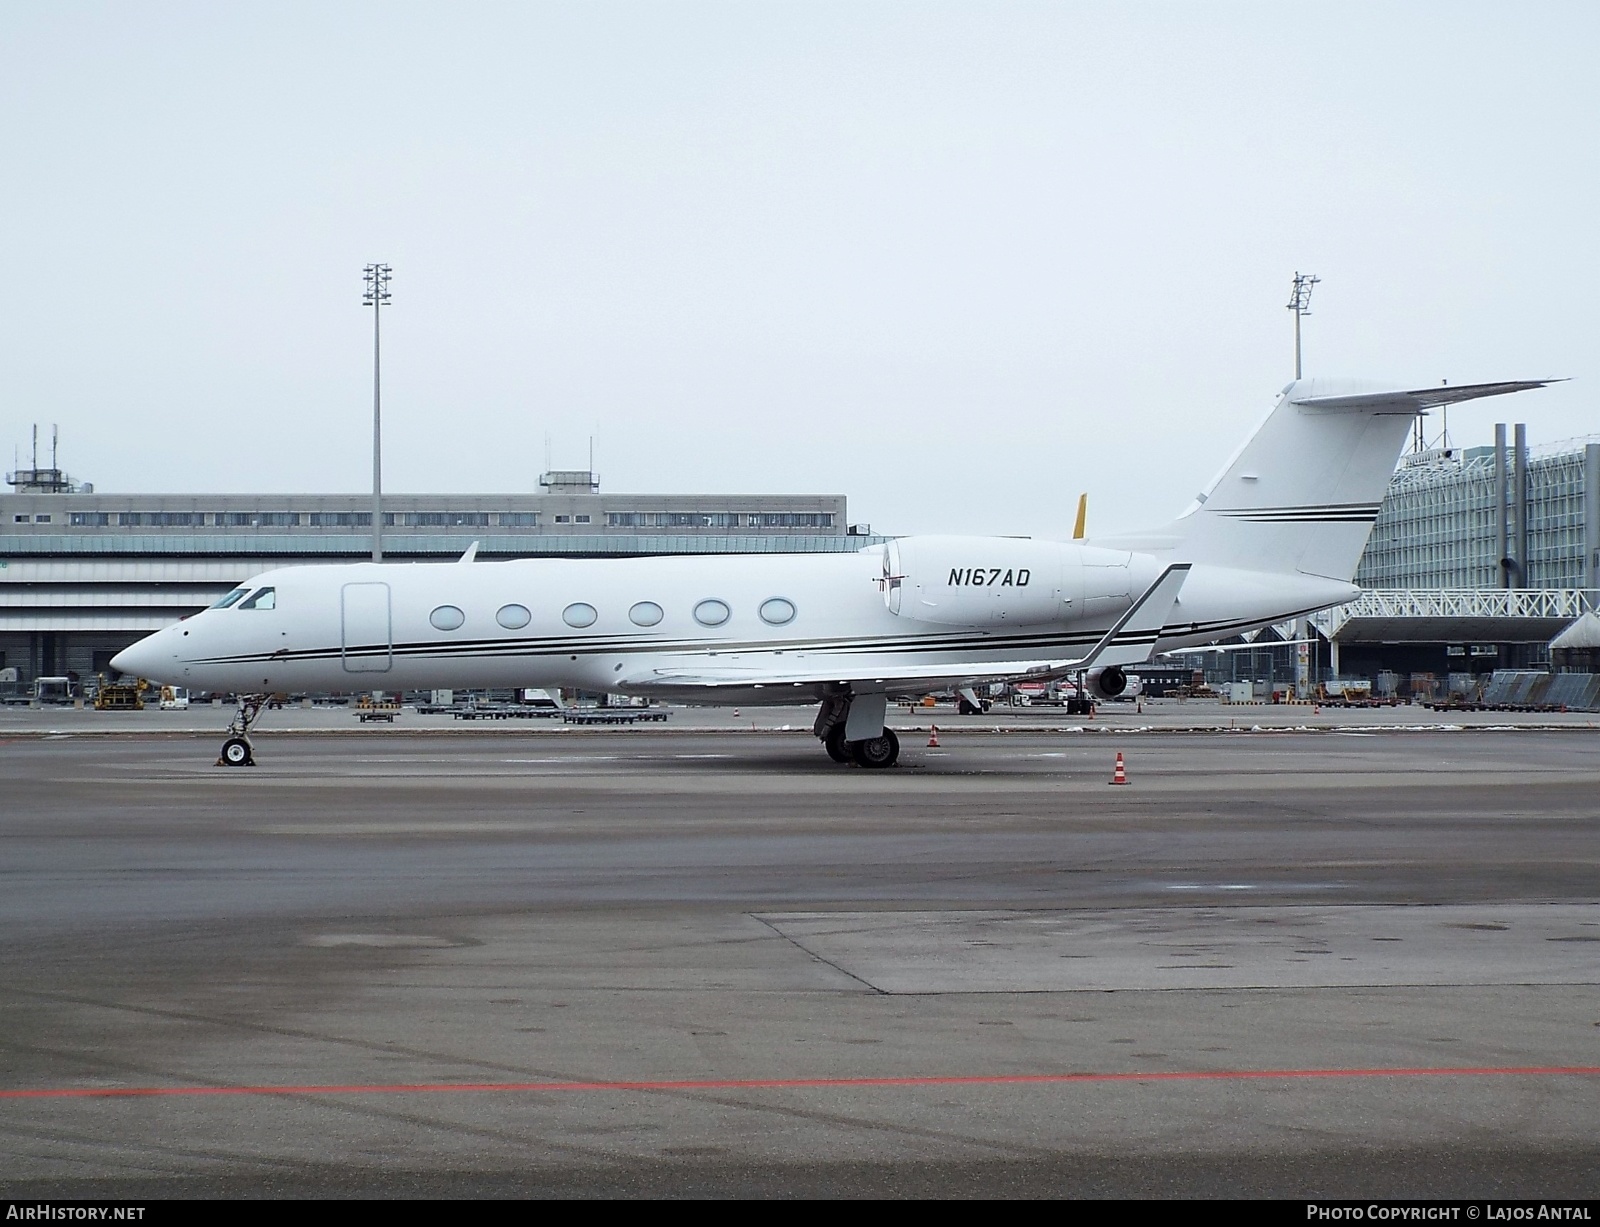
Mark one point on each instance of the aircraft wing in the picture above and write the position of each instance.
(1418, 400)
(1129, 641)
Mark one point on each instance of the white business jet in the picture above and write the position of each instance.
(1276, 535)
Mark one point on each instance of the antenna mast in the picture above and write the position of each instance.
(1300, 304)
(376, 297)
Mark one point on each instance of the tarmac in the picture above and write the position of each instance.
(1358, 960)
(1158, 715)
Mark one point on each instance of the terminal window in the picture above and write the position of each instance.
(163, 519)
(89, 519)
(258, 519)
(672, 519)
(792, 519)
(444, 519)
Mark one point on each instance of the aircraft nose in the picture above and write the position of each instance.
(142, 659)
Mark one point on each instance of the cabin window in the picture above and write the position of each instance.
(513, 617)
(777, 611)
(646, 613)
(264, 598)
(233, 598)
(712, 612)
(579, 614)
(447, 618)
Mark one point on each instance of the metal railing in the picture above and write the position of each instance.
(1563, 603)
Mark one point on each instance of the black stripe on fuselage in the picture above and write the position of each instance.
(1317, 513)
(1303, 507)
(610, 645)
(1318, 519)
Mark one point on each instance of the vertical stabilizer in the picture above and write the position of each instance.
(1303, 492)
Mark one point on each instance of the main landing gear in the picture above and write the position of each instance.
(880, 749)
(237, 751)
(876, 751)
(837, 747)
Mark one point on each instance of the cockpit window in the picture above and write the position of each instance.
(264, 598)
(231, 599)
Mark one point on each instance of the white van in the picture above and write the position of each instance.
(174, 698)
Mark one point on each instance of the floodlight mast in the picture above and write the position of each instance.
(1300, 304)
(377, 297)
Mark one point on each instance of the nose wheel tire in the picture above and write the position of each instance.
(236, 753)
(836, 746)
(876, 751)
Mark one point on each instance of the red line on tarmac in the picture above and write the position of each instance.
(790, 1084)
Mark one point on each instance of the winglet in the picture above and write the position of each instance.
(1133, 636)
(472, 552)
(1083, 513)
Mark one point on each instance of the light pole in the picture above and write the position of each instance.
(377, 297)
(1300, 304)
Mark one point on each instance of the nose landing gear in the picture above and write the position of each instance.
(237, 750)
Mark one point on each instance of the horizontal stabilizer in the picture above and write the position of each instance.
(1418, 400)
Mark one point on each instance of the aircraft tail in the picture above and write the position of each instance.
(1302, 493)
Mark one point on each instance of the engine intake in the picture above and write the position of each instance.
(1107, 683)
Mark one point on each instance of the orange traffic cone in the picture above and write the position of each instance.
(1120, 776)
(933, 740)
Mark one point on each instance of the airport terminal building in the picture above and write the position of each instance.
(1479, 558)
(1438, 527)
(85, 573)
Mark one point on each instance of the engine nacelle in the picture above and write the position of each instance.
(1107, 683)
(977, 581)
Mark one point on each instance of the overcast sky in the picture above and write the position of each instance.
(958, 262)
